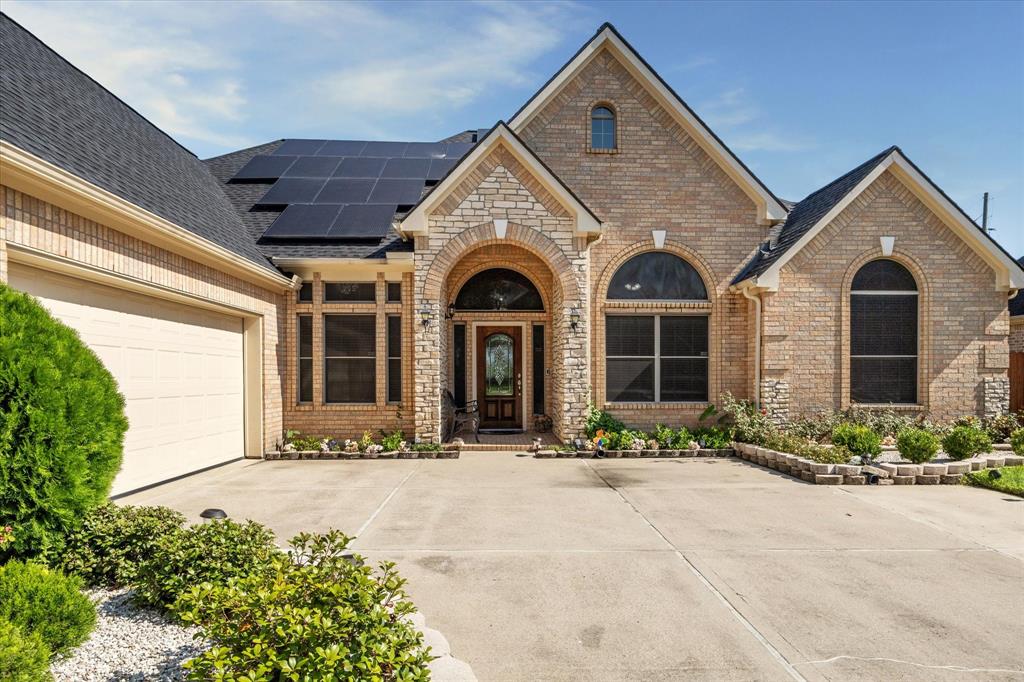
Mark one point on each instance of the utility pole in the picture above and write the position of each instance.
(984, 214)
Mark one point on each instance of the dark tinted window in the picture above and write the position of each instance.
(638, 370)
(629, 346)
(498, 289)
(359, 292)
(394, 292)
(350, 365)
(602, 128)
(305, 359)
(306, 292)
(538, 369)
(657, 275)
(459, 360)
(883, 334)
(883, 275)
(394, 358)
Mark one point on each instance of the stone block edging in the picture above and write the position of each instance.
(932, 473)
(316, 454)
(627, 454)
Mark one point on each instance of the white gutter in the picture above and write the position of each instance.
(756, 298)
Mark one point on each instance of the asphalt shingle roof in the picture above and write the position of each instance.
(54, 111)
(806, 214)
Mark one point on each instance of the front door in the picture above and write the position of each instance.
(499, 377)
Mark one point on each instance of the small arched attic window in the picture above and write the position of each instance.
(602, 128)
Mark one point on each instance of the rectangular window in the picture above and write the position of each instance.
(656, 358)
(538, 369)
(394, 292)
(394, 358)
(350, 292)
(883, 348)
(305, 359)
(459, 360)
(350, 363)
(306, 292)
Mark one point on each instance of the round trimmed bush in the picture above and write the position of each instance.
(46, 602)
(857, 438)
(1017, 442)
(23, 658)
(61, 427)
(108, 547)
(963, 442)
(917, 445)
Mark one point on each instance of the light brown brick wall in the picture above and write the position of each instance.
(659, 179)
(343, 421)
(963, 320)
(30, 222)
(1017, 335)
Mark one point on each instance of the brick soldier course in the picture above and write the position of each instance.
(535, 196)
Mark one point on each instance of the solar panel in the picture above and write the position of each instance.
(360, 168)
(388, 191)
(264, 168)
(313, 167)
(406, 168)
(363, 221)
(389, 149)
(342, 148)
(456, 150)
(299, 147)
(345, 191)
(292, 191)
(303, 221)
(440, 167)
(425, 150)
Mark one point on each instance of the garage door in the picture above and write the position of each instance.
(179, 368)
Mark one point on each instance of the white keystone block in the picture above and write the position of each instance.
(909, 470)
(934, 469)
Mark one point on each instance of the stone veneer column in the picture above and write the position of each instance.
(427, 348)
(775, 399)
(997, 396)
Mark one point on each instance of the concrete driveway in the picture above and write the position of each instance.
(649, 569)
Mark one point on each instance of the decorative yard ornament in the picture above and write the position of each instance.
(659, 238)
(500, 227)
(887, 244)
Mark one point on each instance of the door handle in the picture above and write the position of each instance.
(519, 381)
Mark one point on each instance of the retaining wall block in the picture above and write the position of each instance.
(807, 476)
(822, 469)
(977, 464)
(855, 480)
(1014, 460)
(934, 469)
(892, 469)
(901, 480)
(828, 479)
(927, 479)
(995, 462)
(848, 469)
(958, 468)
(909, 469)
(951, 479)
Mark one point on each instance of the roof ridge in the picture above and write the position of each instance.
(239, 151)
(870, 162)
(98, 84)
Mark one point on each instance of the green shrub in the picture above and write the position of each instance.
(46, 602)
(23, 658)
(714, 437)
(1001, 427)
(1017, 442)
(682, 439)
(62, 427)
(802, 447)
(392, 441)
(598, 420)
(858, 439)
(963, 442)
(751, 424)
(425, 447)
(665, 436)
(315, 615)
(628, 440)
(917, 445)
(209, 552)
(112, 541)
(302, 442)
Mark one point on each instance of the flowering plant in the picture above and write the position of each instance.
(351, 445)
(6, 535)
(374, 449)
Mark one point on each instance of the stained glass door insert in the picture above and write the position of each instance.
(499, 376)
(499, 365)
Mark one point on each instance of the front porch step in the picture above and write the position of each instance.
(494, 447)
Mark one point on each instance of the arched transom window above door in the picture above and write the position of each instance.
(499, 289)
(657, 276)
(883, 334)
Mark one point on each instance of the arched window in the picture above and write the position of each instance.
(883, 334)
(657, 276)
(498, 289)
(659, 358)
(602, 128)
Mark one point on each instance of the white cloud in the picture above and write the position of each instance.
(223, 75)
(733, 112)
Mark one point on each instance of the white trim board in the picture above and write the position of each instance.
(769, 208)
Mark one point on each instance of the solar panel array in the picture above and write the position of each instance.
(346, 189)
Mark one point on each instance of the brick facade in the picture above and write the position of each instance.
(30, 222)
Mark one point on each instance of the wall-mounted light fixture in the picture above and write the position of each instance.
(450, 311)
(574, 318)
(425, 315)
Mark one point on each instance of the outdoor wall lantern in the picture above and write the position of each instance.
(450, 312)
(425, 316)
(574, 318)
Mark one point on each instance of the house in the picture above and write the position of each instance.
(600, 245)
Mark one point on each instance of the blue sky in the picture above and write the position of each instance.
(802, 92)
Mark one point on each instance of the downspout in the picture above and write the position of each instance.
(756, 298)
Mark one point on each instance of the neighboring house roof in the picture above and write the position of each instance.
(57, 113)
(415, 222)
(245, 196)
(818, 209)
(607, 36)
(1017, 302)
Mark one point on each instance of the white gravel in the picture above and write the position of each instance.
(129, 643)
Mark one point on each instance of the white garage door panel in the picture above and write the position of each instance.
(179, 368)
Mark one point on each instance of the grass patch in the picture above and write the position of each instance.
(1011, 480)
